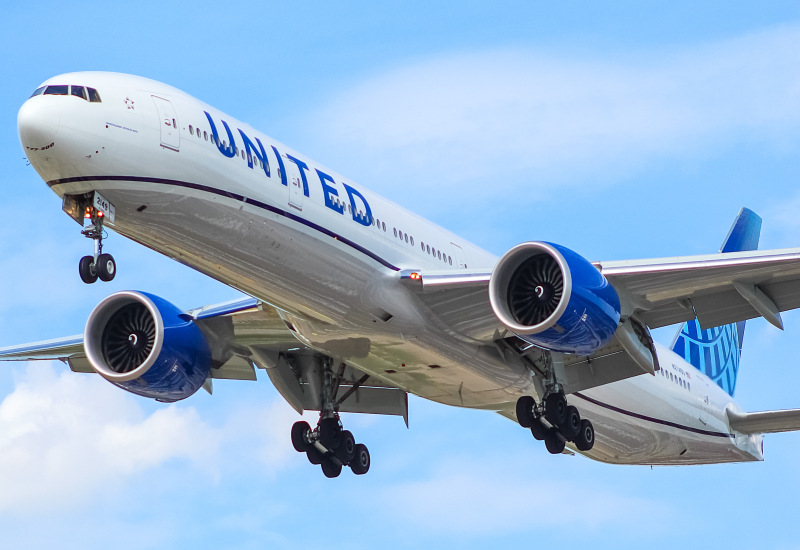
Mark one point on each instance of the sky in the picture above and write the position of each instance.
(619, 129)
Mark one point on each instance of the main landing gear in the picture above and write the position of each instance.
(329, 445)
(99, 266)
(563, 422)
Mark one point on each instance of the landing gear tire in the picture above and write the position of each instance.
(585, 438)
(330, 468)
(300, 431)
(555, 409)
(361, 461)
(106, 267)
(86, 270)
(572, 424)
(525, 406)
(330, 433)
(554, 441)
(314, 456)
(346, 450)
(538, 430)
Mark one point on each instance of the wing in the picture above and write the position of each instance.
(244, 335)
(765, 422)
(716, 288)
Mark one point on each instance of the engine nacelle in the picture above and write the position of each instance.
(554, 298)
(147, 346)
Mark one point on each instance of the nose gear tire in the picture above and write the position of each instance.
(86, 270)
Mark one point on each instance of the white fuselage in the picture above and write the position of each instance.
(326, 253)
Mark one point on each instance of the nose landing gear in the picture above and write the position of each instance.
(99, 266)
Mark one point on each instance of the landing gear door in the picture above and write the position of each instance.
(168, 122)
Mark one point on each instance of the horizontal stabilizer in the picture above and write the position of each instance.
(765, 422)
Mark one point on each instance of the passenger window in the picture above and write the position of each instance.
(450, 260)
(56, 90)
(191, 130)
(428, 248)
(439, 254)
(205, 135)
(38, 91)
(78, 91)
(94, 97)
(406, 237)
(412, 241)
(383, 225)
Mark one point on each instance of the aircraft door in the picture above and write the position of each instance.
(459, 257)
(295, 183)
(704, 400)
(168, 122)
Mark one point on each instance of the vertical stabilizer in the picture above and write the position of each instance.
(716, 351)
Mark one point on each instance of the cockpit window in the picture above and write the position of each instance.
(57, 90)
(79, 91)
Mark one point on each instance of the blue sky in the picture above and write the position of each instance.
(621, 130)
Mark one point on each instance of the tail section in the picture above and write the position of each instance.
(716, 351)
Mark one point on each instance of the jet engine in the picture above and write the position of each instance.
(147, 346)
(554, 298)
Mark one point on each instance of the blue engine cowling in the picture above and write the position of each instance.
(147, 346)
(554, 298)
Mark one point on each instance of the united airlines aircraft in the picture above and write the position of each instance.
(354, 302)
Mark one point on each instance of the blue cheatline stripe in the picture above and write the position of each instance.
(651, 419)
(235, 196)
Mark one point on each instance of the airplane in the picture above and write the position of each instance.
(353, 302)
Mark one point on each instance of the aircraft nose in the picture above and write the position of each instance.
(37, 123)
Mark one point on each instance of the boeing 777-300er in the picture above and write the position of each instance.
(354, 302)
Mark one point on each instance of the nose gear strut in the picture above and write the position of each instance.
(99, 265)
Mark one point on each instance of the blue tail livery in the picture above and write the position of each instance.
(716, 351)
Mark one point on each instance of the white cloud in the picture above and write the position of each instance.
(519, 117)
(65, 438)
